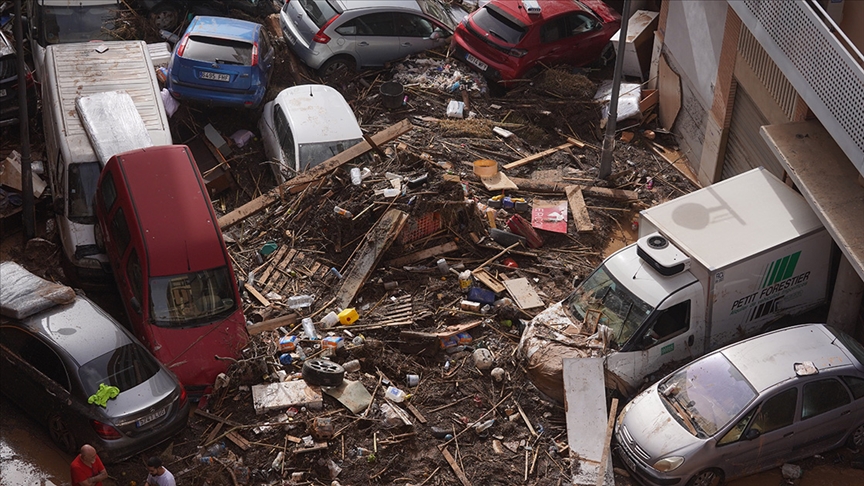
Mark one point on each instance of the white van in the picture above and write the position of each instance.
(72, 71)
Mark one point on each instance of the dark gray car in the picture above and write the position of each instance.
(53, 360)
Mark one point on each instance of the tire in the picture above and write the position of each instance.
(322, 372)
(607, 55)
(856, 438)
(61, 435)
(337, 67)
(165, 16)
(708, 477)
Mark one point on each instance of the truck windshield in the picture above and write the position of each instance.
(708, 394)
(62, 25)
(603, 300)
(191, 299)
(83, 179)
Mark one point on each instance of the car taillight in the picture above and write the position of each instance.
(517, 52)
(182, 396)
(254, 54)
(182, 46)
(105, 431)
(320, 37)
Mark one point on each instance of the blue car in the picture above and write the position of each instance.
(221, 62)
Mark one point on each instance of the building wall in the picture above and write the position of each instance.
(692, 40)
(853, 19)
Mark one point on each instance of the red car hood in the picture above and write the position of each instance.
(602, 10)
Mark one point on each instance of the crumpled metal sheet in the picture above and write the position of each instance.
(112, 123)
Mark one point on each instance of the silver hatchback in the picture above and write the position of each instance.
(340, 35)
(748, 407)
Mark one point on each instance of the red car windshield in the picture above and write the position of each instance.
(193, 298)
(499, 24)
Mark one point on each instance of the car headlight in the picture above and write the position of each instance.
(668, 464)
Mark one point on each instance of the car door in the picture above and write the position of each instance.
(375, 41)
(763, 441)
(827, 414)
(573, 38)
(416, 34)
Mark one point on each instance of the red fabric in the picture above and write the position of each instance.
(81, 471)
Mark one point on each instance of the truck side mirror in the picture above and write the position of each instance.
(752, 434)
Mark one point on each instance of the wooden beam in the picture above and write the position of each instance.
(455, 466)
(272, 324)
(579, 210)
(561, 187)
(538, 155)
(601, 475)
(260, 203)
(423, 254)
(377, 240)
(254, 292)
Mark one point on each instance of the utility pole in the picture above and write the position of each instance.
(28, 214)
(609, 138)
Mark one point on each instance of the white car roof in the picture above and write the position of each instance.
(770, 358)
(318, 113)
(347, 5)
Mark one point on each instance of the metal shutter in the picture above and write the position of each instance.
(745, 148)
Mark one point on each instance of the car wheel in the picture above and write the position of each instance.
(61, 435)
(165, 16)
(708, 477)
(856, 440)
(322, 372)
(337, 67)
(607, 55)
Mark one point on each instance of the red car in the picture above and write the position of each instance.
(507, 39)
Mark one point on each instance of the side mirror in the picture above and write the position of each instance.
(57, 205)
(438, 33)
(136, 306)
(752, 434)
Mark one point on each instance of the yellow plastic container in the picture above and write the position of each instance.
(348, 316)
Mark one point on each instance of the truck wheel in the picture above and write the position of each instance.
(322, 372)
(165, 16)
(708, 477)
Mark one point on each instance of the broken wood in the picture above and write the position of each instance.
(548, 186)
(217, 418)
(254, 293)
(455, 466)
(488, 280)
(416, 412)
(444, 334)
(238, 440)
(377, 241)
(539, 155)
(272, 324)
(423, 254)
(260, 203)
(601, 476)
(580, 212)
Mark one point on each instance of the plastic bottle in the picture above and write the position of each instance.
(356, 176)
(351, 366)
(483, 426)
(309, 328)
(299, 301)
(443, 268)
(277, 463)
(330, 320)
(343, 212)
(395, 395)
(207, 460)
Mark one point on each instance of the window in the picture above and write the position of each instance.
(553, 30)
(500, 24)
(823, 396)
(283, 133)
(380, 24)
(133, 274)
(83, 179)
(36, 353)
(669, 323)
(777, 412)
(120, 231)
(856, 385)
(413, 26)
(566, 26)
(578, 23)
(125, 367)
(109, 192)
(312, 154)
(318, 10)
(735, 432)
(224, 51)
(193, 298)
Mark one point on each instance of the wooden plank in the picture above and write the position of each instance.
(455, 466)
(523, 293)
(416, 412)
(601, 476)
(488, 280)
(550, 186)
(280, 276)
(446, 333)
(260, 203)
(378, 239)
(670, 94)
(423, 254)
(254, 293)
(576, 142)
(538, 155)
(238, 440)
(272, 324)
(580, 211)
(217, 418)
(275, 260)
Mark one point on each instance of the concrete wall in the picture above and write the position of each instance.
(692, 42)
(853, 21)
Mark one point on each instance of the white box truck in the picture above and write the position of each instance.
(78, 70)
(709, 268)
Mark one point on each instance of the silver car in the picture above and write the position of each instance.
(748, 407)
(53, 360)
(333, 36)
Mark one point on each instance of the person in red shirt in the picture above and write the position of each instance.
(87, 468)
